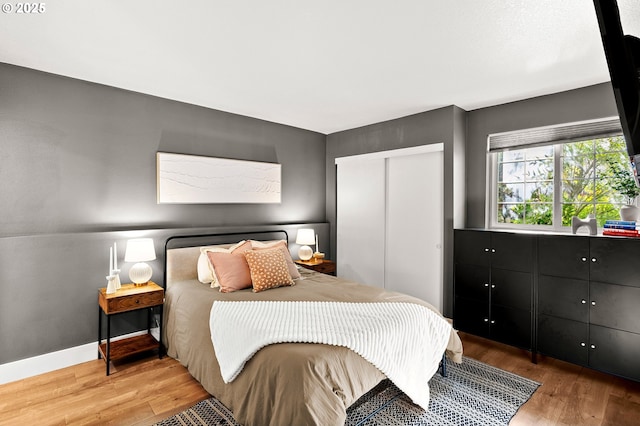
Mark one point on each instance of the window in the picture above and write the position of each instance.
(525, 186)
(543, 185)
(586, 184)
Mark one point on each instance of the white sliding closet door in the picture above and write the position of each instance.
(389, 222)
(360, 221)
(413, 257)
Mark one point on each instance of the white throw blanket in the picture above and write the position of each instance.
(403, 340)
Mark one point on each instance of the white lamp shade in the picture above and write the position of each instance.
(140, 250)
(306, 236)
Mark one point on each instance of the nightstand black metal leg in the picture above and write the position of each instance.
(99, 331)
(160, 347)
(108, 351)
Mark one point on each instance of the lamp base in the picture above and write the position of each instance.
(305, 253)
(140, 273)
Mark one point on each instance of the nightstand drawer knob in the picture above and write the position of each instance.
(137, 301)
(583, 344)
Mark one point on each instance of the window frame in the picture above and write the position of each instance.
(492, 169)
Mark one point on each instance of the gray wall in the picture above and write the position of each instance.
(586, 103)
(78, 172)
(444, 125)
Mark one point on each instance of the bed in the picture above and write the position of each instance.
(284, 383)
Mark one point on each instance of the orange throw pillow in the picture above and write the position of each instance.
(268, 269)
(282, 245)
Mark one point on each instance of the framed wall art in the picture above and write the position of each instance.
(192, 179)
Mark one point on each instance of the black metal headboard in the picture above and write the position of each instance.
(195, 240)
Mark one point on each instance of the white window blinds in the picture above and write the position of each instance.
(565, 133)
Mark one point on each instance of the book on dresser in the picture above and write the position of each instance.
(621, 228)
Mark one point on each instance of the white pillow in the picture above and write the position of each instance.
(206, 272)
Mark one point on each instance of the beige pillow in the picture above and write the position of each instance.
(282, 245)
(206, 272)
(231, 269)
(268, 269)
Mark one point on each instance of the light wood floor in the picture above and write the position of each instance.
(569, 395)
(149, 390)
(137, 393)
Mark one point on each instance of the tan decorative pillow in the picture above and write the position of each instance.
(231, 269)
(282, 245)
(268, 269)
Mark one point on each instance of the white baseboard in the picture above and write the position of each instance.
(28, 367)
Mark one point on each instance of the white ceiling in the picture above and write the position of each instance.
(323, 65)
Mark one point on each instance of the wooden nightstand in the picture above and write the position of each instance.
(129, 298)
(325, 266)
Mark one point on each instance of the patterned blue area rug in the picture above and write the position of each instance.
(473, 393)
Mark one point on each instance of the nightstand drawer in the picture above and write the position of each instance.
(325, 268)
(135, 301)
(131, 297)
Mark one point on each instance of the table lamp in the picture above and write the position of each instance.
(140, 250)
(305, 237)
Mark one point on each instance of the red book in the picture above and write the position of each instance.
(621, 232)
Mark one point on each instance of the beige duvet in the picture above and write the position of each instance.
(287, 383)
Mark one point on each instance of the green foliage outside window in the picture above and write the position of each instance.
(594, 178)
(622, 181)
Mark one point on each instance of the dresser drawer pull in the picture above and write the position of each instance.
(583, 301)
(593, 346)
(486, 320)
(584, 259)
(583, 344)
(486, 284)
(594, 260)
(593, 303)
